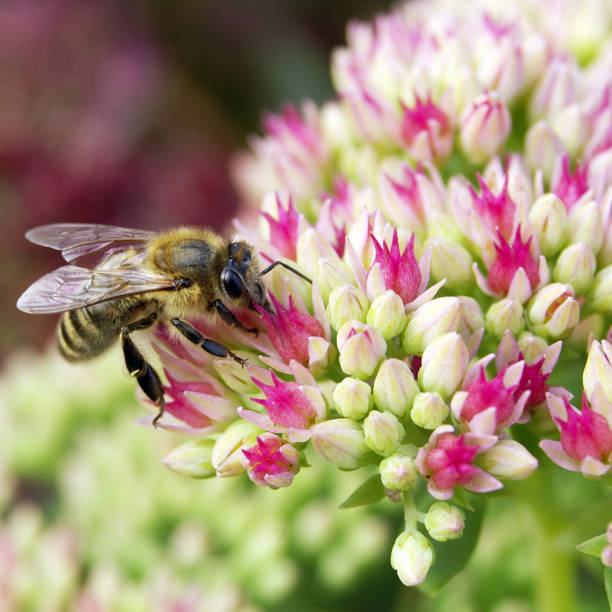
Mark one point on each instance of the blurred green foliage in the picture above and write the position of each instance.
(90, 514)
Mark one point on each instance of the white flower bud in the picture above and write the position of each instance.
(398, 472)
(553, 311)
(505, 314)
(549, 219)
(387, 314)
(429, 410)
(395, 387)
(576, 265)
(444, 364)
(361, 348)
(444, 522)
(383, 432)
(508, 459)
(411, 557)
(427, 322)
(346, 303)
(353, 398)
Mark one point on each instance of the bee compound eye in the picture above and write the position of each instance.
(232, 283)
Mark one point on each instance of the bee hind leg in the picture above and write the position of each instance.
(146, 376)
(210, 346)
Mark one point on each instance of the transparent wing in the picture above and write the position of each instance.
(73, 287)
(75, 240)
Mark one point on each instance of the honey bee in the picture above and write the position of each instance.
(143, 277)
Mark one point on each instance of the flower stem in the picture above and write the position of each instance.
(554, 572)
(555, 589)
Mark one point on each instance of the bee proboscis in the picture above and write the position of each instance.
(143, 276)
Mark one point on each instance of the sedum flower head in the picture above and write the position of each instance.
(452, 207)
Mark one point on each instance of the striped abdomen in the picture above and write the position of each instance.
(85, 333)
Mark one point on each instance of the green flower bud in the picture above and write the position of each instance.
(506, 314)
(576, 265)
(341, 442)
(531, 346)
(444, 522)
(192, 458)
(553, 311)
(383, 432)
(429, 410)
(226, 455)
(549, 219)
(586, 225)
(411, 557)
(346, 303)
(353, 398)
(398, 472)
(600, 297)
(387, 314)
(361, 348)
(450, 261)
(445, 362)
(432, 319)
(508, 459)
(330, 274)
(395, 387)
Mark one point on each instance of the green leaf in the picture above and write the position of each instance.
(461, 499)
(452, 556)
(608, 584)
(369, 492)
(594, 546)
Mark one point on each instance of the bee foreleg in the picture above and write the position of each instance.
(146, 376)
(210, 346)
(230, 318)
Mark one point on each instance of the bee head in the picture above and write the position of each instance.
(240, 278)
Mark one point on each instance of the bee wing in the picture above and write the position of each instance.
(73, 287)
(75, 240)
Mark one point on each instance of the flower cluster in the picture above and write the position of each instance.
(453, 208)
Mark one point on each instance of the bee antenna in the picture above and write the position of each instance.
(287, 267)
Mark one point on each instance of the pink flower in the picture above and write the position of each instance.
(286, 404)
(485, 126)
(189, 399)
(271, 461)
(484, 394)
(510, 258)
(400, 271)
(447, 460)
(586, 438)
(533, 380)
(284, 230)
(193, 394)
(570, 186)
(292, 407)
(289, 330)
(290, 127)
(426, 130)
(294, 150)
(497, 211)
